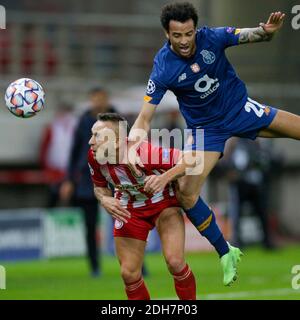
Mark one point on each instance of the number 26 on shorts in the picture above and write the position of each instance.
(254, 106)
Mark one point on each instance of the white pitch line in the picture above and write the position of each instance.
(248, 294)
(244, 294)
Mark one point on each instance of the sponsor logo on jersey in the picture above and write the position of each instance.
(118, 224)
(208, 56)
(195, 67)
(206, 86)
(182, 77)
(150, 87)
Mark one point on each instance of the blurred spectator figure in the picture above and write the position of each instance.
(78, 185)
(249, 166)
(55, 148)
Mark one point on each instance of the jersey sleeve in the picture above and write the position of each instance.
(226, 36)
(156, 87)
(155, 157)
(96, 175)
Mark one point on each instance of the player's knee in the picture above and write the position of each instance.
(187, 201)
(130, 274)
(175, 263)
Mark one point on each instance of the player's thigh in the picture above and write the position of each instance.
(171, 229)
(130, 253)
(192, 182)
(284, 125)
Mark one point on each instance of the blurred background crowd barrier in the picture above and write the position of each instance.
(72, 46)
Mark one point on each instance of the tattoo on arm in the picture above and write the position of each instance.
(248, 35)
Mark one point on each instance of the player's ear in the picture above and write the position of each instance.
(167, 34)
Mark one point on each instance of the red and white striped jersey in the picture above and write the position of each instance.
(129, 188)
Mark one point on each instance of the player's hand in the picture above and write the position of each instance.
(155, 183)
(114, 208)
(274, 22)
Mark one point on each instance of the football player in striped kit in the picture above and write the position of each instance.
(135, 210)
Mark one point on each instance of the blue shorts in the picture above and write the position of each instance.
(247, 123)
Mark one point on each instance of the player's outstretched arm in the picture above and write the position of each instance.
(141, 125)
(138, 134)
(265, 31)
(111, 205)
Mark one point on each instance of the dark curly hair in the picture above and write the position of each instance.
(178, 11)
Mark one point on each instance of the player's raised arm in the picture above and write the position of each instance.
(138, 133)
(264, 32)
(142, 123)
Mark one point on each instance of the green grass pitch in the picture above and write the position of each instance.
(262, 275)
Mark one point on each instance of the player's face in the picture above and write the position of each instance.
(104, 138)
(182, 37)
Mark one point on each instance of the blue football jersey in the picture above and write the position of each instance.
(207, 88)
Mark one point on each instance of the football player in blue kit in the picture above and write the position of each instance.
(193, 65)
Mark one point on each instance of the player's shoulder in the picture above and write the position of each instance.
(162, 55)
(207, 33)
(164, 62)
(214, 33)
(213, 36)
(217, 32)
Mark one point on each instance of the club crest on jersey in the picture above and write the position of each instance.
(195, 67)
(118, 224)
(208, 56)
